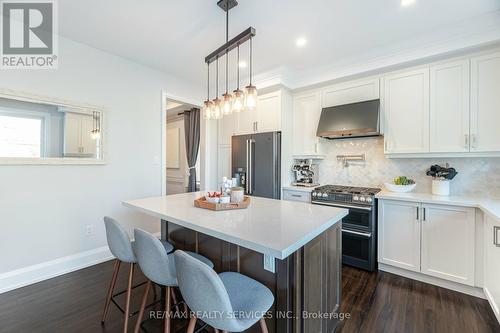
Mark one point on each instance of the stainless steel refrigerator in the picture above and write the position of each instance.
(256, 158)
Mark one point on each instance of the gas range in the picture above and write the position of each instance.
(359, 227)
(362, 196)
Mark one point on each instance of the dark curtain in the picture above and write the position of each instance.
(192, 135)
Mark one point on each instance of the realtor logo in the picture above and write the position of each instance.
(29, 36)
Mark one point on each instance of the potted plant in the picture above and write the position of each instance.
(441, 177)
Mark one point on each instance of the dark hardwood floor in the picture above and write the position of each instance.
(377, 302)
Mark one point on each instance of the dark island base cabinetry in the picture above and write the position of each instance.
(306, 285)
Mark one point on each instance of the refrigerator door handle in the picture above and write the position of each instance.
(247, 180)
(250, 166)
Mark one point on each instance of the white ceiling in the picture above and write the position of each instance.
(175, 36)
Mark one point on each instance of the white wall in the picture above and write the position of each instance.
(176, 177)
(44, 209)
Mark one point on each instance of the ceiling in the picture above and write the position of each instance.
(175, 36)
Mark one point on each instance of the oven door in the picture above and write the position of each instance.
(358, 249)
(359, 218)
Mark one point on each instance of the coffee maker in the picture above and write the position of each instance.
(306, 173)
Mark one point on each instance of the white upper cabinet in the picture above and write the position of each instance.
(77, 135)
(448, 242)
(351, 92)
(265, 118)
(406, 108)
(306, 113)
(449, 110)
(485, 103)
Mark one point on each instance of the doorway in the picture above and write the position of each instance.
(175, 167)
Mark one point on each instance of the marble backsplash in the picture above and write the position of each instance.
(476, 176)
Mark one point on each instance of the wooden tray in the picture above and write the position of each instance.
(203, 203)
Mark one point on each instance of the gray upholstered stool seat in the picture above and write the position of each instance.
(168, 247)
(227, 294)
(160, 268)
(246, 295)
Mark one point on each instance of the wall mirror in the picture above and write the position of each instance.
(41, 130)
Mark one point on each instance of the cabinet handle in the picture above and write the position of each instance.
(423, 213)
(256, 126)
(466, 145)
(474, 141)
(418, 213)
(495, 236)
(296, 195)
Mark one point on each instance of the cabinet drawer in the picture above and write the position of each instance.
(296, 196)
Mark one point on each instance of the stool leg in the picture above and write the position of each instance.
(129, 291)
(166, 328)
(263, 325)
(174, 298)
(143, 305)
(192, 324)
(216, 330)
(111, 288)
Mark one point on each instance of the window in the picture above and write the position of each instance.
(21, 135)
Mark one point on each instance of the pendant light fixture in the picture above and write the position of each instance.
(250, 90)
(239, 100)
(238, 95)
(217, 103)
(208, 104)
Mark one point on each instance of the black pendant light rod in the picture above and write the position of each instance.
(217, 78)
(238, 70)
(251, 51)
(231, 45)
(208, 82)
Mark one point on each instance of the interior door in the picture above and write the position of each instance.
(399, 234)
(265, 176)
(448, 238)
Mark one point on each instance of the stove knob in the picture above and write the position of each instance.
(325, 195)
(369, 199)
(355, 198)
(314, 194)
(362, 199)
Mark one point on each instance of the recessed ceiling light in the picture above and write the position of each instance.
(301, 42)
(242, 64)
(406, 3)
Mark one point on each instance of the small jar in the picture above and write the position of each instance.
(237, 194)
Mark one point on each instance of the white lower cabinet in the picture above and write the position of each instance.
(448, 238)
(399, 234)
(436, 240)
(492, 263)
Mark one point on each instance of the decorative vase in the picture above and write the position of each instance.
(440, 187)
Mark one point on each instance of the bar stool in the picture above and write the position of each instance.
(159, 268)
(226, 294)
(122, 248)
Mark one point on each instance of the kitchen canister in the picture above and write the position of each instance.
(237, 194)
(440, 187)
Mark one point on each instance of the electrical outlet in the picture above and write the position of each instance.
(89, 229)
(269, 263)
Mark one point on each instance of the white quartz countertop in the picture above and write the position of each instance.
(299, 188)
(487, 205)
(272, 227)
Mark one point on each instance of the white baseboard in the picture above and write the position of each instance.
(461, 288)
(494, 307)
(49, 269)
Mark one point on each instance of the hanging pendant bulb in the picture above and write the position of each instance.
(217, 103)
(250, 90)
(207, 105)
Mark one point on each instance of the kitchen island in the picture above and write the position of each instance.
(293, 248)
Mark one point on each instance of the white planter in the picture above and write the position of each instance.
(440, 187)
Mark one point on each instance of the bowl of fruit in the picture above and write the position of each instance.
(401, 184)
(213, 197)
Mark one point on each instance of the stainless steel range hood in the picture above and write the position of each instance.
(350, 120)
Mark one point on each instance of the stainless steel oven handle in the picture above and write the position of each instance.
(367, 235)
(341, 205)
